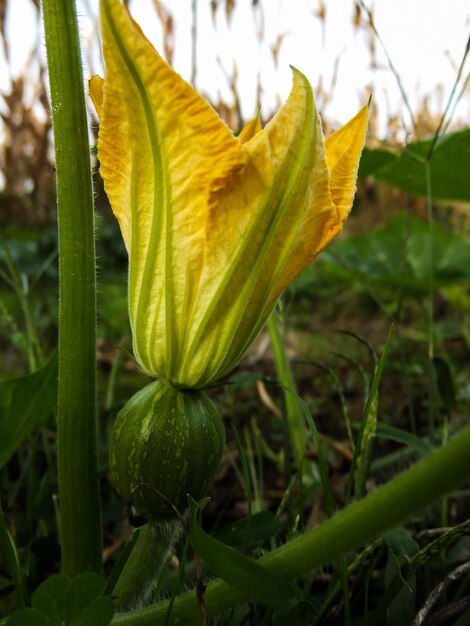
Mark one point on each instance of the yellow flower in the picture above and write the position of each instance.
(216, 226)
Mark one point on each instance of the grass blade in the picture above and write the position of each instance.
(359, 450)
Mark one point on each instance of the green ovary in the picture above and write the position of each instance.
(167, 443)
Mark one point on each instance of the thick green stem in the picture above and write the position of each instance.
(414, 489)
(138, 580)
(80, 518)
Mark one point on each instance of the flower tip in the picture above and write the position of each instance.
(297, 72)
(95, 89)
(251, 129)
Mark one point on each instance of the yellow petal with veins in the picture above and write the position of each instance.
(343, 153)
(215, 226)
(95, 86)
(164, 153)
(254, 227)
(250, 130)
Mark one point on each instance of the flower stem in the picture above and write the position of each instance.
(80, 518)
(139, 577)
(389, 505)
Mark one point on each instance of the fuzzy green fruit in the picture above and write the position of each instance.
(169, 440)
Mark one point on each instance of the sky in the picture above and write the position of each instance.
(425, 40)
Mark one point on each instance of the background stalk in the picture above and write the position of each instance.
(80, 518)
(294, 415)
(386, 507)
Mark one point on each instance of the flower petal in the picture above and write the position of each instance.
(95, 86)
(254, 227)
(164, 155)
(343, 153)
(250, 130)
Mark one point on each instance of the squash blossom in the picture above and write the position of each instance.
(215, 225)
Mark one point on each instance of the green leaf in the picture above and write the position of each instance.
(406, 170)
(118, 568)
(25, 403)
(373, 160)
(244, 380)
(401, 549)
(61, 602)
(81, 592)
(403, 436)
(30, 617)
(401, 543)
(237, 570)
(48, 598)
(397, 256)
(98, 613)
(250, 531)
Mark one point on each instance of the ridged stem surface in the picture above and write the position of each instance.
(80, 517)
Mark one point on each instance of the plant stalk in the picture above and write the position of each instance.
(138, 580)
(386, 507)
(80, 517)
(294, 415)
